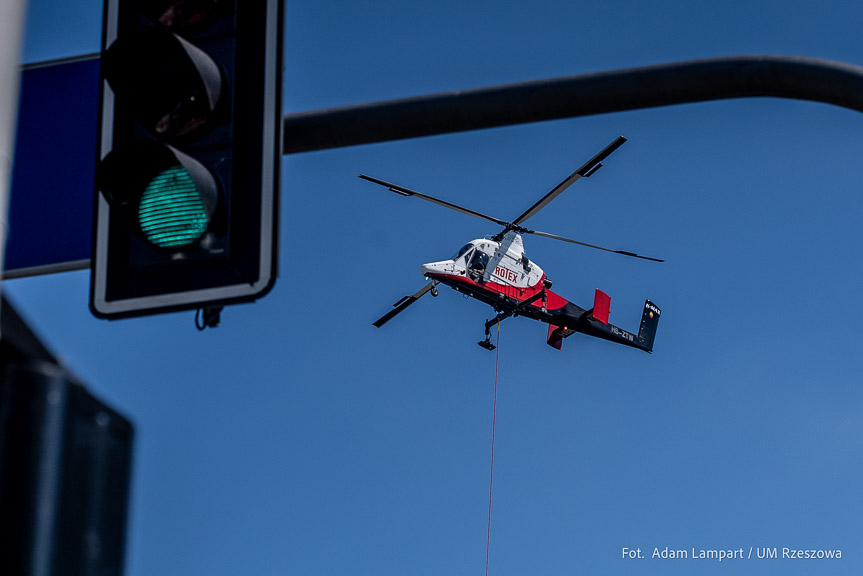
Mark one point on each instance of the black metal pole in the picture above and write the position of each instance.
(582, 95)
(65, 465)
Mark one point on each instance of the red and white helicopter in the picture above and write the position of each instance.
(496, 271)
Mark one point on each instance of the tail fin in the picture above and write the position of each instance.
(601, 306)
(649, 322)
(556, 334)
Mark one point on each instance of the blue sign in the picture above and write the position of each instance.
(51, 206)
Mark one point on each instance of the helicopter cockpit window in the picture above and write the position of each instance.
(464, 249)
(478, 262)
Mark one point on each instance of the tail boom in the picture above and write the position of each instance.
(575, 319)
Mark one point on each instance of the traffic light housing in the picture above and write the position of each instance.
(189, 155)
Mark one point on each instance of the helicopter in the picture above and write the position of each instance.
(495, 270)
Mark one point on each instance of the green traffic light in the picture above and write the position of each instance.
(171, 212)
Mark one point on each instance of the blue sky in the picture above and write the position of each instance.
(297, 438)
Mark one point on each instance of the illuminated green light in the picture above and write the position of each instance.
(171, 213)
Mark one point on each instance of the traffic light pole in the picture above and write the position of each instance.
(11, 33)
(572, 96)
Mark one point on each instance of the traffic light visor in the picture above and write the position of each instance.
(167, 195)
(172, 87)
(179, 14)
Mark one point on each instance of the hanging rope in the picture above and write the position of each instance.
(491, 474)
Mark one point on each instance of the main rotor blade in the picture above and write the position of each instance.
(624, 252)
(402, 304)
(407, 192)
(585, 171)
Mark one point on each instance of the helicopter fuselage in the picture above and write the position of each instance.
(500, 275)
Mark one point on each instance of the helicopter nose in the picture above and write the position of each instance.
(435, 267)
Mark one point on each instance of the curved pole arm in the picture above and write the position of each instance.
(582, 95)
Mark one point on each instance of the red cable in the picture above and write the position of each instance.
(491, 474)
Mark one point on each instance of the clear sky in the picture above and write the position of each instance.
(298, 439)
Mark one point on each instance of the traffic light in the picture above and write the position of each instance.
(189, 155)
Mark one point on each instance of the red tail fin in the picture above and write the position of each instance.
(555, 340)
(601, 306)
